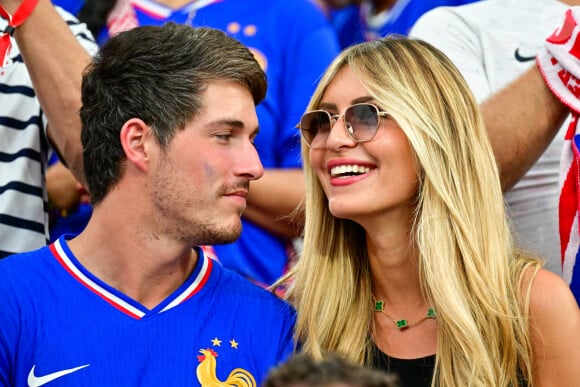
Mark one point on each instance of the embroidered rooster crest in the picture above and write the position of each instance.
(206, 374)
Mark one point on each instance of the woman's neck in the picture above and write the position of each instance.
(395, 271)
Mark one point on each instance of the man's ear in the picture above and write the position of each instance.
(135, 138)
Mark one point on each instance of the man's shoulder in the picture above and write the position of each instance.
(19, 258)
(26, 276)
(247, 291)
(251, 306)
(24, 266)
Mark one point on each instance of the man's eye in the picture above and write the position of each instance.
(224, 137)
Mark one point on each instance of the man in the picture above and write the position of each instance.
(169, 119)
(293, 43)
(39, 101)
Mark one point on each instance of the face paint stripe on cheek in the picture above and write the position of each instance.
(208, 170)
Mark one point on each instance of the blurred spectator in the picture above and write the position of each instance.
(293, 43)
(357, 21)
(69, 208)
(39, 101)
(331, 371)
(492, 43)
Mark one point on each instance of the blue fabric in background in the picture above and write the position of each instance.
(351, 26)
(67, 222)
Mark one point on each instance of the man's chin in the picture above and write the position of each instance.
(227, 239)
(230, 235)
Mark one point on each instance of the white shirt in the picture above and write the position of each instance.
(492, 42)
(24, 151)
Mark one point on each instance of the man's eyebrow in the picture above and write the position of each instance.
(227, 122)
(232, 123)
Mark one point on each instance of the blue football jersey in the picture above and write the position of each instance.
(61, 324)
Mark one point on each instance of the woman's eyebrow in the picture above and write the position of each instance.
(332, 106)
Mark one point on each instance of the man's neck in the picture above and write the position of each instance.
(146, 268)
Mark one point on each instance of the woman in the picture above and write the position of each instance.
(408, 262)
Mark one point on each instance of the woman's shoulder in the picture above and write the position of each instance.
(555, 330)
(549, 292)
(550, 297)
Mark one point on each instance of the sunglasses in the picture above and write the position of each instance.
(361, 122)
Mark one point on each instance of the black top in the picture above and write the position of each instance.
(410, 372)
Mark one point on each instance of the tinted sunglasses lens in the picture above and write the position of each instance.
(312, 124)
(363, 120)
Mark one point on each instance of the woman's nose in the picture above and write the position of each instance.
(338, 136)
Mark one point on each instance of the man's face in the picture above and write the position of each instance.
(201, 179)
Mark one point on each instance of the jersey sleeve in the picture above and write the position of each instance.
(445, 29)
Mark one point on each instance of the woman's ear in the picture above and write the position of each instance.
(135, 135)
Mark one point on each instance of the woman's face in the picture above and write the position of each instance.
(368, 181)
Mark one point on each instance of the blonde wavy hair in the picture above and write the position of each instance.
(469, 269)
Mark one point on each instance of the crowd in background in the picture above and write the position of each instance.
(492, 219)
